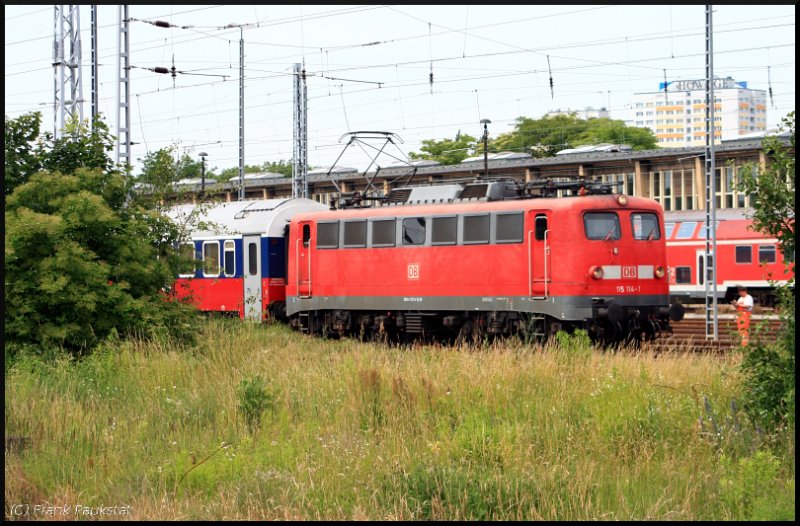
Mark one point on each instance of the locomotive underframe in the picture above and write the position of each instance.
(606, 321)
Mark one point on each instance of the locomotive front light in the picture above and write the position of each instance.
(660, 271)
(622, 200)
(597, 272)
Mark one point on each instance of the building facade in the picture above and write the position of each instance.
(676, 113)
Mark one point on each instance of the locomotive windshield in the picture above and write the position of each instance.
(601, 225)
(645, 226)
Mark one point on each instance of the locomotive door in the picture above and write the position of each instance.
(253, 303)
(303, 260)
(538, 239)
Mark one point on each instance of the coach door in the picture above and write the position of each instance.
(253, 304)
(538, 238)
(703, 271)
(303, 260)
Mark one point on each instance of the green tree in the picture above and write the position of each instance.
(546, 136)
(82, 262)
(22, 157)
(769, 366)
(78, 147)
(446, 151)
(281, 167)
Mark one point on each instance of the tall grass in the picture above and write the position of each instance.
(361, 431)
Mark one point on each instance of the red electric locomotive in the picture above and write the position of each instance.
(463, 261)
(745, 257)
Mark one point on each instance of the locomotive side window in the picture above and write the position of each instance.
(252, 259)
(766, 253)
(414, 231)
(187, 264)
(744, 254)
(328, 235)
(686, 230)
(645, 226)
(683, 275)
(540, 225)
(601, 225)
(355, 234)
(383, 233)
(229, 251)
(306, 235)
(444, 230)
(476, 229)
(509, 228)
(211, 258)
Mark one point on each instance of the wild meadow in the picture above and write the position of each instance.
(258, 422)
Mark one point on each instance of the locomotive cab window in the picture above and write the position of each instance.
(414, 231)
(444, 230)
(476, 229)
(229, 251)
(211, 258)
(602, 226)
(328, 235)
(645, 226)
(355, 234)
(509, 227)
(540, 227)
(383, 232)
(744, 254)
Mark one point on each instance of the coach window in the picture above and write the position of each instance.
(508, 228)
(766, 254)
(444, 230)
(683, 275)
(540, 226)
(702, 232)
(187, 262)
(355, 234)
(744, 254)
(230, 258)
(328, 235)
(211, 258)
(601, 225)
(306, 235)
(686, 230)
(414, 231)
(668, 228)
(252, 259)
(383, 232)
(645, 226)
(476, 229)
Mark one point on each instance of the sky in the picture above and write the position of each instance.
(369, 69)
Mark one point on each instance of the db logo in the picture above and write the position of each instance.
(628, 272)
(413, 271)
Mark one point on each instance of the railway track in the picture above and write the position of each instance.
(690, 333)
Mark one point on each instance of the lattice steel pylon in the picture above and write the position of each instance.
(123, 156)
(68, 88)
(712, 324)
(300, 148)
